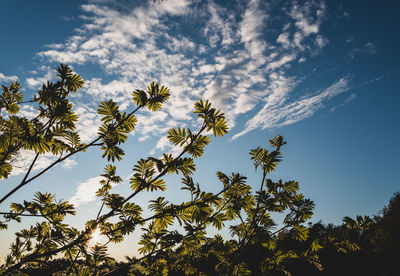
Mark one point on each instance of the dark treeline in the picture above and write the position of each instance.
(378, 253)
(378, 239)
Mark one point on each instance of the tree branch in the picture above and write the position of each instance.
(93, 143)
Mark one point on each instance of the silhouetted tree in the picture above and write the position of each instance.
(255, 248)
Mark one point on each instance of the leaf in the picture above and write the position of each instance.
(300, 232)
(217, 220)
(109, 109)
(155, 185)
(196, 148)
(270, 243)
(316, 246)
(214, 119)
(157, 96)
(112, 153)
(84, 271)
(74, 82)
(220, 127)
(64, 71)
(177, 136)
(17, 208)
(132, 209)
(277, 142)
(5, 170)
(128, 122)
(139, 97)
(73, 138)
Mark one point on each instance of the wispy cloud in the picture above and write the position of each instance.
(48, 74)
(86, 191)
(227, 58)
(24, 158)
(372, 80)
(283, 113)
(367, 48)
(349, 99)
(4, 78)
(350, 39)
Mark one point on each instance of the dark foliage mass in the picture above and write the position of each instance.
(174, 238)
(377, 240)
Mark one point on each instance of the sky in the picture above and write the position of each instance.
(324, 74)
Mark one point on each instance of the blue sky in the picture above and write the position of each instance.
(322, 74)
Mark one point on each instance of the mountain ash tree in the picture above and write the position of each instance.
(165, 248)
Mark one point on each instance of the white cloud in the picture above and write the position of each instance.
(372, 80)
(35, 83)
(321, 41)
(226, 59)
(252, 22)
(24, 158)
(349, 99)
(282, 114)
(144, 138)
(367, 48)
(283, 39)
(69, 163)
(27, 111)
(118, 90)
(175, 7)
(86, 191)
(162, 144)
(244, 103)
(88, 122)
(349, 40)
(219, 27)
(4, 78)
(308, 18)
(281, 62)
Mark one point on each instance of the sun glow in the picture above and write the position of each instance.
(97, 237)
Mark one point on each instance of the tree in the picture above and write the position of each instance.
(376, 241)
(164, 249)
(383, 237)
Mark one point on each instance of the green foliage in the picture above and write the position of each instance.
(152, 98)
(213, 119)
(51, 131)
(165, 247)
(10, 97)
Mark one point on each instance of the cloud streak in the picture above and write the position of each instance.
(282, 113)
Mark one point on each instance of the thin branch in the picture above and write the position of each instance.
(279, 230)
(23, 182)
(254, 216)
(19, 214)
(93, 143)
(72, 262)
(169, 211)
(27, 101)
(11, 149)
